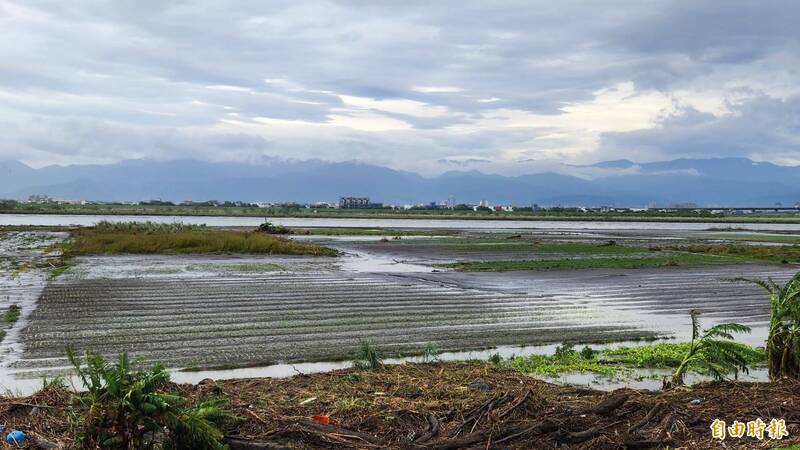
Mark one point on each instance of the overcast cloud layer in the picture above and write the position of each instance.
(422, 86)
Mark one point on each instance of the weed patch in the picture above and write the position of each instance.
(616, 361)
(140, 239)
(367, 357)
(12, 314)
(633, 262)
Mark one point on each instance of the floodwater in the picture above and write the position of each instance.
(290, 314)
(224, 221)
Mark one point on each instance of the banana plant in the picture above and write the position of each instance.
(714, 352)
(783, 335)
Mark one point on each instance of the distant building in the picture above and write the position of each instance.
(357, 203)
(353, 202)
(40, 199)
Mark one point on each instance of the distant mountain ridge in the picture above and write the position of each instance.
(705, 182)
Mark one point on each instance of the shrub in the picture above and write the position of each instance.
(564, 350)
(588, 352)
(130, 409)
(271, 228)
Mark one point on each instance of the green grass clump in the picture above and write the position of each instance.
(369, 232)
(12, 314)
(633, 262)
(105, 241)
(146, 227)
(577, 248)
(615, 361)
(272, 228)
(367, 357)
(564, 363)
(771, 253)
(758, 237)
(63, 266)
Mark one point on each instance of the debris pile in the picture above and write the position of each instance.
(453, 406)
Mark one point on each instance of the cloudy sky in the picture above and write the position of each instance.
(417, 85)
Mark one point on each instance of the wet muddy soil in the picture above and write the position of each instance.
(457, 406)
(226, 311)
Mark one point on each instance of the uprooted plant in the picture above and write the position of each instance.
(715, 352)
(126, 408)
(783, 336)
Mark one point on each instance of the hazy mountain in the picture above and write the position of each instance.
(709, 182)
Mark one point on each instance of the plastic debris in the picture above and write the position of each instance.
(321, 419)
(15, 437)
(307, 401)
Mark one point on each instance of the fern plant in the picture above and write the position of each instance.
(783, 335)
(129, 409)
(715, 352)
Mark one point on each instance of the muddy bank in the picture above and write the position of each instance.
(458, 405)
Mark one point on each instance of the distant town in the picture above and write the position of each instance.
(365, 203)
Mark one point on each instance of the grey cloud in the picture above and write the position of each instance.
(113, 80)
(760, 128)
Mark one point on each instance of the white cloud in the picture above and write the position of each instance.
(436, 89)
(397, 106)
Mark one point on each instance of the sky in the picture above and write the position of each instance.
(500, 86)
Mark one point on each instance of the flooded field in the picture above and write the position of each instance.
(223, 221)
(222, 312)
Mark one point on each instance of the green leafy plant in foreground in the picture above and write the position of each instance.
(367, 357)
(783, 335)
(714, 352)
(130, 409)
(430, 353)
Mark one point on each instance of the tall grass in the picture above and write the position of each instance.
(150, 238)
(105, 226)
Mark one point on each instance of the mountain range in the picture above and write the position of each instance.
(705, 182)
